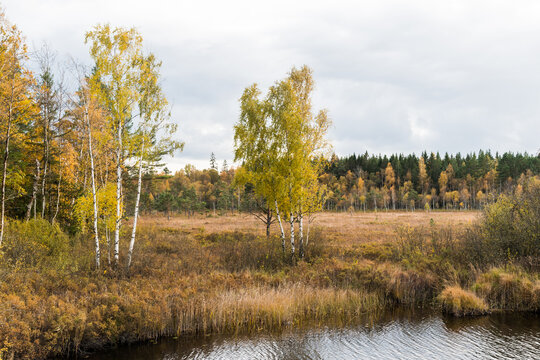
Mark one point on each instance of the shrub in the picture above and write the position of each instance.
(511, 225)
(33, 242)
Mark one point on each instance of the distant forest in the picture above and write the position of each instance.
(355, 182)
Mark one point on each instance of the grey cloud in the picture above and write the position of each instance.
(395, 76)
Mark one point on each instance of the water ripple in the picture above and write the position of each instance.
(406, 336)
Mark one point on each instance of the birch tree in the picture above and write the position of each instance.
(254, 147)
(154, 137)
(300, 145)
(90, 115)
(281, 143)
(117, 54)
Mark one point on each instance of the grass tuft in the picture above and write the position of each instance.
(459, 302)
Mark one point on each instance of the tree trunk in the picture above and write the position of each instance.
(136, 215)
(268, 223)
(43, 184)
(301, 234)
(291, 221)
(94, 196)
(280, 227)
(57, 198)
(118, 218)
(45, 168)
(108, 238)
(307, 232)
(34, 192)
(4, 175)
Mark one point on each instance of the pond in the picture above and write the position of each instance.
(395, 335)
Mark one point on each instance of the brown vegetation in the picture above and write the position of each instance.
(458, 302)
(221, 274)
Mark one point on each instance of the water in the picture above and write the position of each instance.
(408, 335)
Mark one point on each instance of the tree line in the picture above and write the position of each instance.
(428, 181)
(356, 181)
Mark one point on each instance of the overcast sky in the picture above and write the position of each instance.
(396, 76)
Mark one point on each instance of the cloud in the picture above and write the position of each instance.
(395, 76)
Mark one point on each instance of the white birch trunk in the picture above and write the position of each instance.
(108, 238)
(94, 196)
(136, 215)
(34, 192)
(291, 221)
(43, 197)
(57, 199)
(280, 227)
(118, 197)
(4, 175)
(45, 168)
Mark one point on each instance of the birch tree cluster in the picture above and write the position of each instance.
(281, 144)
(67, 155)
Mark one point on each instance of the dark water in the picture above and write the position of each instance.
(407, 335)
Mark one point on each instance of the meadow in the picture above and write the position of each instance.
(220, 274)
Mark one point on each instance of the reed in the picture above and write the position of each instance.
(459, 302)
(510, 288)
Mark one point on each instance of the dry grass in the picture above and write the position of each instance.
(259, 308)
(355, 228)
(221, 274)
(510, 288)
(458, 302)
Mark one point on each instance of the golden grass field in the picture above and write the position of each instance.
(356, 227)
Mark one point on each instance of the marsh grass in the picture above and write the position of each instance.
(509, 288)
(190, 276)
(459, 302)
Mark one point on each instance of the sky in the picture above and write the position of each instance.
(395, 76)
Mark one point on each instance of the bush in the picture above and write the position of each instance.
(511, 226)
(33, 242)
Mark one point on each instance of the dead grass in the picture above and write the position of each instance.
(509, 288)
(221, 274)
(459, 302)
(349, 229)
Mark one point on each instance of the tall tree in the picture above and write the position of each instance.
(255, 148)
(281, 143)
(86, 107)
(117, 54)
(16, 105)
(423, 177)
(389, 180)
(154, 137)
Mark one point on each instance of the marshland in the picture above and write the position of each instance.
(113, 244)
(210, 274)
